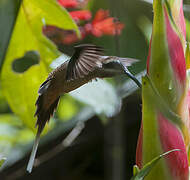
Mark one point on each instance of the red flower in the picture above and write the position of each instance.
(102, 24)
(68, 3)
(81, 15)
(73, 3)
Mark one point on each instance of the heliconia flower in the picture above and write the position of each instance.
(103, 24)
(165, 124)
(81, 15)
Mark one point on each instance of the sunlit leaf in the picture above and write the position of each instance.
(188, 29)
(20, 89)
(2, 160)
(10, 119)
(187, 56)
(136, 170)
(67, 108)
(147, 168)
(13, 131)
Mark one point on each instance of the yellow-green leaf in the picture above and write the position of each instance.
(20, 89)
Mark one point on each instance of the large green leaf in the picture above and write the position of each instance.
(8, 13)
(20, 89)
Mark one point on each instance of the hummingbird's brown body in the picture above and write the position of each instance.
(61, 85)
(86, 64)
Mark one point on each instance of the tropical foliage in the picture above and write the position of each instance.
(37, 36)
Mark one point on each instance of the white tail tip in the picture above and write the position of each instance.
(33, 153)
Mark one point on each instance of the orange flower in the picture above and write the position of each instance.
(81, 15)
(102, 24)
(73, 3)
(68, 3)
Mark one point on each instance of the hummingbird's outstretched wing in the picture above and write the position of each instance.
(84, 60)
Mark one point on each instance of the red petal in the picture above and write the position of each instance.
(171, 138)
(139, 152)
(100, 15)
(179, 18)
(68, 3)
(107, 27)
(70, 38)
(176, 52)
(81, 15)
(88, 28)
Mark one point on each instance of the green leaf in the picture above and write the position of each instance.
(12, 130)
(8, 13)
(100, 95)
(20, 89)
(136, 170)
(2, 161)
(147, 168)
(187, 56)
(161, 104)
(67, 108)
(145, 25)
(187, 22)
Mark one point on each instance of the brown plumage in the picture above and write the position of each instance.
(87, 63)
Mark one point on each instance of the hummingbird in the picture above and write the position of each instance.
(87, 63)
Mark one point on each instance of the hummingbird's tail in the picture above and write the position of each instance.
(43, 116)
(33, 153)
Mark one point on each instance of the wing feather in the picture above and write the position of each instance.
(85, 60)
